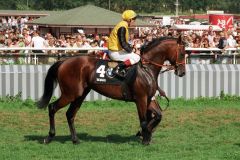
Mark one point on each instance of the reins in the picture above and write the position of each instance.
(163, 94)
(169, 67)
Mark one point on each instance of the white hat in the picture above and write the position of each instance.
(80, 31)
(138, 45)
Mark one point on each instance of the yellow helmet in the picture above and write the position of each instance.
(128, 15)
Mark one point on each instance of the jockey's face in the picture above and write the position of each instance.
(132, 22)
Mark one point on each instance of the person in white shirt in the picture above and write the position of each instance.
(9, 22)
(14, 23)
(231, 42)
(4, 23)
(37, 42)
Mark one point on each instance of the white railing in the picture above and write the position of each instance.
(29, 53)
(230, 52)
(51, 48)
(214, 53)
(103, 48)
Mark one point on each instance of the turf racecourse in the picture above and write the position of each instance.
(194, 129)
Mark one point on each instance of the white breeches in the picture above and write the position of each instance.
(123, 56)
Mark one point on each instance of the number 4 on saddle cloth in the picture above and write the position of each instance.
(104, 73)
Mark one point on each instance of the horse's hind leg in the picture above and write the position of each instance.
(52, 109)
(71, 113)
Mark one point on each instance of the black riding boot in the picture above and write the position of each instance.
(119, 70)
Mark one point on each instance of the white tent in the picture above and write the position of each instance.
(195, 23)
(195, 27)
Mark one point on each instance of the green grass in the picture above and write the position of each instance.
(193, 129)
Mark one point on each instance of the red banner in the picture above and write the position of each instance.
(222, 20)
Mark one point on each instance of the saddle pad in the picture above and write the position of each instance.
(104, 75)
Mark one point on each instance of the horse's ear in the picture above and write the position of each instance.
(180, 41)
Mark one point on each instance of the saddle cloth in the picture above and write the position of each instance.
(104, 75)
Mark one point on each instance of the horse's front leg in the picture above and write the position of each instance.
(154, 117)
(142, 113)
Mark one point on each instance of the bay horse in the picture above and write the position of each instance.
(75, 77)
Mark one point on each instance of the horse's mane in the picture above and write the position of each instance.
(154, 43)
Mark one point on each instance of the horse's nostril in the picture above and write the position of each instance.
(183, 73)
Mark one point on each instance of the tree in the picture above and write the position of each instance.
(140, 6)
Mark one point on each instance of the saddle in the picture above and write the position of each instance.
(104, 75)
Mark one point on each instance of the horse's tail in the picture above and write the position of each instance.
(49, 85)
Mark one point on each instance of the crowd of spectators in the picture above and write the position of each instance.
(15, 33)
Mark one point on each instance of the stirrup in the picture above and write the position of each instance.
(120, 73)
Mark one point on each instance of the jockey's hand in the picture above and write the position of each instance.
(137, 52)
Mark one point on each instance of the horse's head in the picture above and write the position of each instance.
(165, 48)
(178, 59)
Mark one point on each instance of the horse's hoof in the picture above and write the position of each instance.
(139, 134)
(147, 137)
(146, 142)
(75, 141)
(47, 140)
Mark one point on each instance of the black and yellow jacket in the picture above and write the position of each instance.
(119, 37)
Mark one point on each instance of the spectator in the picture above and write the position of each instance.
(197, 42)
(21, 43)
(68, 38)
(72, 44)
(210, 29)
(98, 40)
(4, 23)
(105, 41)
(38, 42)
(194, 36)
(189, 41)
(47, 38)
(231, 43)
(148, 39)
(222, 41)
(14, 23)
(131, 39)
(211, 36)
(86, 42)
(2, 36)
(215, 42)
(51, 53)
(27, 38)
(205, 43)
(79, 41)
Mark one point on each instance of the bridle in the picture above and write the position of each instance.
(168, 66)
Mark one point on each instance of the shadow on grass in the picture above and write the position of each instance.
(237, 144)
(113, 138)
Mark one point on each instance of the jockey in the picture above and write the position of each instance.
(118, 46)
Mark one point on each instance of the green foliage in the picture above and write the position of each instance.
(13, 102)
(141, 6)
(9, 98)
(228, 97)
